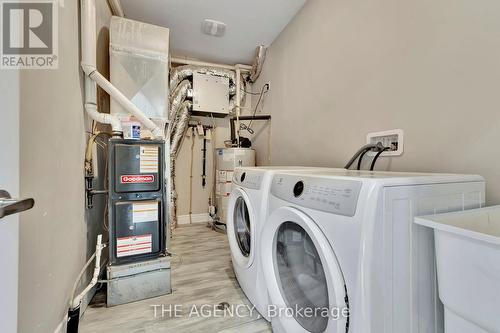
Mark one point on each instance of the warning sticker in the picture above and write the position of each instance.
(129, 246)
(145, 212)
(148, 159)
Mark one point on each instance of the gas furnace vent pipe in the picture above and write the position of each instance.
(88, 63)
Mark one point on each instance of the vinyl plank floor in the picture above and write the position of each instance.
(202, 278)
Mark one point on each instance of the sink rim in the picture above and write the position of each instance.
(435, 222)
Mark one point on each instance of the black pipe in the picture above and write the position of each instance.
(233, 120)
(361, 151)
(204, 150)
(380, 151)
(73, 320)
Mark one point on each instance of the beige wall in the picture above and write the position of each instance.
(342, 69)
(9, 181)
(200, 195)
(57, 235)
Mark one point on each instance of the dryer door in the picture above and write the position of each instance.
(305, 282)
(241, 228)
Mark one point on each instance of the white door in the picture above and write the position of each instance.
(240, 228)
(9, 181)
(302, 274)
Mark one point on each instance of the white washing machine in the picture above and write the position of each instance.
(343, 245)
(247, 210)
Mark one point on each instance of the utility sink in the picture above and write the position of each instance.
(468, 268)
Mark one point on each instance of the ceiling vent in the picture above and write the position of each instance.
(213, 28)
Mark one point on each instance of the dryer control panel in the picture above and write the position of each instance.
(248, 179)
(338, 196)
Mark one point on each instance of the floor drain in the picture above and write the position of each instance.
(223, 306)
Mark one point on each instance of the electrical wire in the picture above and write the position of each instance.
(265, 89)
(380, 151)
(250, 92)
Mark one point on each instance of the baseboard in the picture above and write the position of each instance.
(195, 218)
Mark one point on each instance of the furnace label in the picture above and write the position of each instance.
(129, 246)
(145, 212)
(148, 159)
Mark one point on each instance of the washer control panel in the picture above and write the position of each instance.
(248, 179)
(338, 196)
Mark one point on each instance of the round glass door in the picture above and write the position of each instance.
(301, 275)
(241, 220)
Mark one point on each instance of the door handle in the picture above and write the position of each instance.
(9, 206)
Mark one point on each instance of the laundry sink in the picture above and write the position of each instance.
(468, 267)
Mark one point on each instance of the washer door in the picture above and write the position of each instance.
(302, 274)
(241, 228)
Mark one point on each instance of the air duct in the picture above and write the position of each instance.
(177, 98)
(260, 57)
(177, 131)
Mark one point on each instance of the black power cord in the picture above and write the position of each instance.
(363, 150)
(361, 158)
(380, 151)
(264, 90)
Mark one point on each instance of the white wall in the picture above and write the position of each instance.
(57, 236)
(9, 180)
(342, 69)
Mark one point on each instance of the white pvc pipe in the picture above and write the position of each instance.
(238, 102)
(126, 103)
(103, 118)
(97, 269)
(89, 36)
(89, 44)
(183, 61)
(93, 112)
(116, 8)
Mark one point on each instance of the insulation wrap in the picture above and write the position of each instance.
(260, 57)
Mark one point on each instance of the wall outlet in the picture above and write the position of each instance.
(391, 138)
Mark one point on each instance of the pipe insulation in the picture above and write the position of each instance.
(181, 125)
(177, 98)
(89, 66)
(260, 57)
(177, 132)
(172, 205)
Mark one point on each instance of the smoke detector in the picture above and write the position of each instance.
(213, 28)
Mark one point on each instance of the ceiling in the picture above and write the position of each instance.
(248, 23)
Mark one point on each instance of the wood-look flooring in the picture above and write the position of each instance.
(202, 274)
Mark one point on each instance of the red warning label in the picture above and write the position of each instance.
(137, 179)
(129, 246)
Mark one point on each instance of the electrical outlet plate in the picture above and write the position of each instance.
(391, 138)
